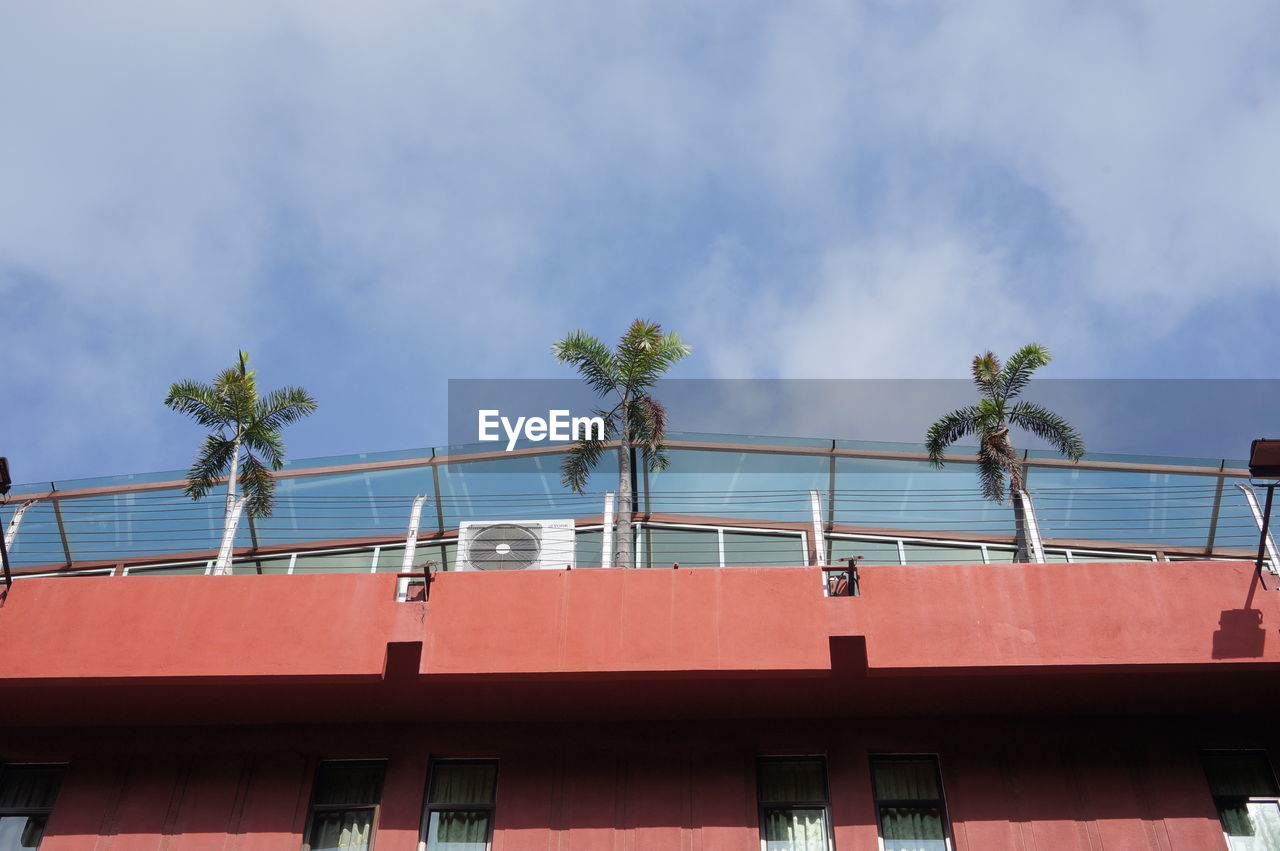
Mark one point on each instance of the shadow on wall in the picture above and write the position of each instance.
(1239, 635)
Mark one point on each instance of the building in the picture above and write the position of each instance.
(1120, 694)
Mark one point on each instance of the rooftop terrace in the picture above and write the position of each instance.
(725, 500)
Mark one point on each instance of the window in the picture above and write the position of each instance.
(344, 805)
(460, 797)
(1244, 789)
(27, 793)
(909, 804)
(794, 810)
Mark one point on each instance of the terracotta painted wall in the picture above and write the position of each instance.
(587, 621)
(1029, 785)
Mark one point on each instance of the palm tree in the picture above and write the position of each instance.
(244, 444)
(990, 420)
(625, 376)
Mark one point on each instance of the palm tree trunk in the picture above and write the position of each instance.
(623, 538)
(1022, 551)
(223, 564)
(231, 481)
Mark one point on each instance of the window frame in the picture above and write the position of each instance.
(313, 808)
(941, 801)
(1245, 799)
(47, 812)
(428, 808)
(825, 805)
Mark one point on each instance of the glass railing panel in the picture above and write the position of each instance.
(359, 458)
(391, 559)
(872, 552)
(120, 481)
(37, 541)
(1133, 458)
(744, 485)
(261, 566)
(1078, 557)
(1150, 508)
(136, 524)
(742, 549)
(895, 446)
(587, 547)
(686, 547)
(170, 570)
(891, 494)
(350, 505)
(358, 562)
(520, 488)
(939, 554)
(750, 439)
(1236, 527)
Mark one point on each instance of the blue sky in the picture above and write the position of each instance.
(375, 198)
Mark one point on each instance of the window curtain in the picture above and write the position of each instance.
(905, 827)
(30, 788)
(792, 781)
(1253, 826)
(458, 830)
(912, 829)
(795, 829)
(907, 780)
(1243, 773)
(349, 783)
(464, 783)
(346, 829)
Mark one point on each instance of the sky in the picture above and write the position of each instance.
(375, 198)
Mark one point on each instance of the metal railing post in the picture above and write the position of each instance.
(62, 532)
(1032, 527)
(1212, 537)
(16, 521)
(819, 549)
(606, 544)
(10, 534)
(411, 538)
(1265, 541)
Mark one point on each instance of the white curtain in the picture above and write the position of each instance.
(1254, 826)
(795, 829)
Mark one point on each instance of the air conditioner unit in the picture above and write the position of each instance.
(515, 545)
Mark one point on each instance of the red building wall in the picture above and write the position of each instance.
(1067, 703)
(1045, 785)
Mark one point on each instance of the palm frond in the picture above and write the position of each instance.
(950, 428)
(266, 442)
(1017, 371)
(579, 461)
(648, 419)
(237, 394)
(1049, 427)
(197, 401)
(210, 464)
(991, 473)
(592, 360)
(258, 486)
(645, 353)
(649, 430)
(996, 449)
(284, 406)
(986, 372)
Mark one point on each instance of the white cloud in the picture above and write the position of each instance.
(380, 197)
